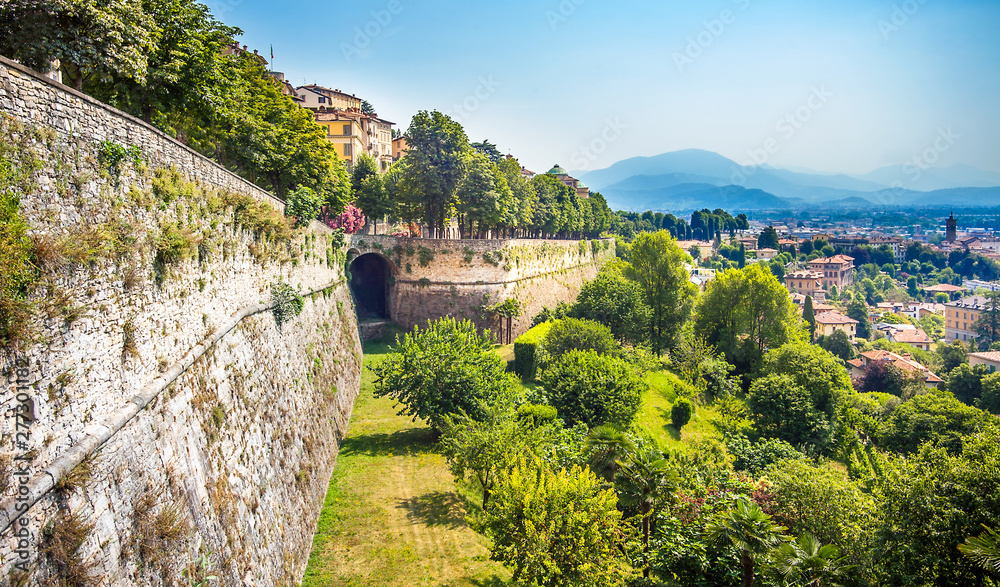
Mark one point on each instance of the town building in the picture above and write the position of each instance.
(318, 98)
(829, 322)
(960, 317)
(806, 282)
(915, 337)
(354, 133)
(951, 290)
(904, 362)
(951, 228)
(991, 359)
(766, 254)
(837, 270)
(399, 147)
(559, 173)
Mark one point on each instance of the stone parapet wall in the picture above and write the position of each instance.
(239, 450)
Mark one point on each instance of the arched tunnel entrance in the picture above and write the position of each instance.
(370, 278)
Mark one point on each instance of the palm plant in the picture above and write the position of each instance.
(608, 445)
(750, 531)
(644, 479)
(984, 549)
(809, 563)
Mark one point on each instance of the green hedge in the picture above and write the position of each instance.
(524, 350)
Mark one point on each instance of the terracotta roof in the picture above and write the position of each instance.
(834, 318)
(856, 363)
(944, 287)
(818, 307)
(971, 302)
(912, 336)
(841, 259)
(992, 356)
(904, 363)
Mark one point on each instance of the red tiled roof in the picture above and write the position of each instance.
(944, 287)
(993, 356)
(911, 336)
(834, 318)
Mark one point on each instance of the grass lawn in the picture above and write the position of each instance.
(393, 515)
(654, 415)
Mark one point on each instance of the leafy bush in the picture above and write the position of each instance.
(303, 204)
(445, 369)
(287, 303)
(538, 414)
(754, 457)
(681, 412)
(525, 349)
(935, 416)
(575, 334)
(593, 389)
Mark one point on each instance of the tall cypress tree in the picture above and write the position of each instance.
(742, 259)
(809, 315)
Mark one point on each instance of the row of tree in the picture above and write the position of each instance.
(442, 177)
(171, 63)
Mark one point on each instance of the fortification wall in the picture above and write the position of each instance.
(447, 277)
(143, 269)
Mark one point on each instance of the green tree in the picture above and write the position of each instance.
(990, 398)
(809, 315)
(965, 382)
(575, 334)
(644, 480)
(656, 263)
(781, 408)
(368, 189)
(100, 41)
(608, 446)
(748, 530)
(616, 302)
(303, 204)
(555, 529)
(936, 416)
(858, 310)
(768, 239)
(445, 369)
(952, 355)
(680, 413)
(741, 259)
(186, 71)
(489, 150)
(482, 196)
(932, 501)
(745, 312)
(838, 345)
(593, 389)
(435, 165)
(987, 327)
(823, 501)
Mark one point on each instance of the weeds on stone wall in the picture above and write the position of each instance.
(18, 272)
(111, 156)
(62, 540)
(158, 537)
(426, 256)
(76, 478)
(287, 303)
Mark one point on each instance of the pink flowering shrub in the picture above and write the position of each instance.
(351, 220)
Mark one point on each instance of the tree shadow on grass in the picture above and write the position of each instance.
(411, 441)
(492, 581)
(436, 508)
(669, 428)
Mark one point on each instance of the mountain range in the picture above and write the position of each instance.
(691, 179)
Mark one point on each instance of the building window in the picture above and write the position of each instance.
(348, 149)
(347, 130)
(322, 100)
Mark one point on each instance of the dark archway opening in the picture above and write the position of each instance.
(370, 274)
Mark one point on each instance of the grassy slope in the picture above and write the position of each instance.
(654, 415)
(393, 515)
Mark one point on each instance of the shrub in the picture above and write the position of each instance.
(445, 369)
(593, 389)
(754, 457)
(576, 334)
(287, 303)
(303, 204)
(525, 349)
(681, 412)
(538, 414)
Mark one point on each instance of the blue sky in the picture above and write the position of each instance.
(843, 86)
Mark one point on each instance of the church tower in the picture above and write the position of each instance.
(951, 228)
